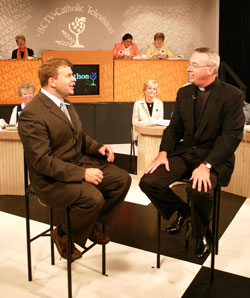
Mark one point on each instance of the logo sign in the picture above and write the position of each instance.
(76, 27)
(77, 24)
(87, 79)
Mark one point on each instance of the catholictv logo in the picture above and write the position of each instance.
(76, 28)
(73, 23)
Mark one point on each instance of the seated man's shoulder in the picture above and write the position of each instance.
(188, 87)
(229, 87)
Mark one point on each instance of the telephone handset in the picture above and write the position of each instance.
(3, 124)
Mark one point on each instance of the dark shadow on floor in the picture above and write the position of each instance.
(136, 225)
(225, 285)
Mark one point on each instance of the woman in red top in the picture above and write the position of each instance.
(22, 52)
(126, 49)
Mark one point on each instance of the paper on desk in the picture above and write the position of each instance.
(163, 122)
(152, 122)
(247, 127)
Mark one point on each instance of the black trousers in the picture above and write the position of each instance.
(156, 187)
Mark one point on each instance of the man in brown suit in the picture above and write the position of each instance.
(66, 166)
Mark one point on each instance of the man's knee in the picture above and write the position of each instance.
(117, 177)
(98, 201)
(196, 196)
(93, 201)
(125, 180)
(145, 182)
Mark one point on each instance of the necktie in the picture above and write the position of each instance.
(65, 110)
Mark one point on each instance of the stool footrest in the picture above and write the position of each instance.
(45, 233)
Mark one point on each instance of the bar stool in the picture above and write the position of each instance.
(214, 231)
(29, 191)
(133, 159)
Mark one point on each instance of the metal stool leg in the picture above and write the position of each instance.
(158, 240)
(27, 213)
(51, 221)
(217, 220)
(103, 254)
(215, 230)
(68, 252)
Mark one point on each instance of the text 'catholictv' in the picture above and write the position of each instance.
(87, 79)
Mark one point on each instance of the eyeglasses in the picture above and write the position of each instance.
(195, 66)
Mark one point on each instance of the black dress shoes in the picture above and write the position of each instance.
(178, 224)
(203, 246)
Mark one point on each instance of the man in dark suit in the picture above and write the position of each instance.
(66, 166)
(199, 144)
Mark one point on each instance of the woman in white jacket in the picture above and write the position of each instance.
(148, 108)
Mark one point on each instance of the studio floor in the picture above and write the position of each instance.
(131, 258)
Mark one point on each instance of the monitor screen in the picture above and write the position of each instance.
(87, 79)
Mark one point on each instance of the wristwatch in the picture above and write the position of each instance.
(208, 165)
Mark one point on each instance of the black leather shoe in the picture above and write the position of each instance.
(178, 224)
(203, 246)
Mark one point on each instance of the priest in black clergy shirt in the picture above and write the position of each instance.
(199, 144)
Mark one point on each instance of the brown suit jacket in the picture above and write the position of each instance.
(219, 132)
(56, 151)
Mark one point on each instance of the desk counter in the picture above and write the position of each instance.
(11, 164)
(239, 184)
(149, 140)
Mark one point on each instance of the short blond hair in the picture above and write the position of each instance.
(20, 37)
(159, 35)
(150, 83)
(49, 69)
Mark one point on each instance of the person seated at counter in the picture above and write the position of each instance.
(158, 49)
(148, 108)
(22, 52)
(126, 49)
(26, 92)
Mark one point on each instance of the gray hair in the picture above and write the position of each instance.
(213, 57)
(25, 85)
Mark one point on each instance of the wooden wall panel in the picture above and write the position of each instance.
(121, 81)
(130, 75)
(12, 74)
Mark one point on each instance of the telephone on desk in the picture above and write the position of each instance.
(4, 125)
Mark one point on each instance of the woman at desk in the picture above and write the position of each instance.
(126, 49)
(22, 52)
(26, 92)
(148, 108)
(158, 49)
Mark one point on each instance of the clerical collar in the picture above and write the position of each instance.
(209, 87)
